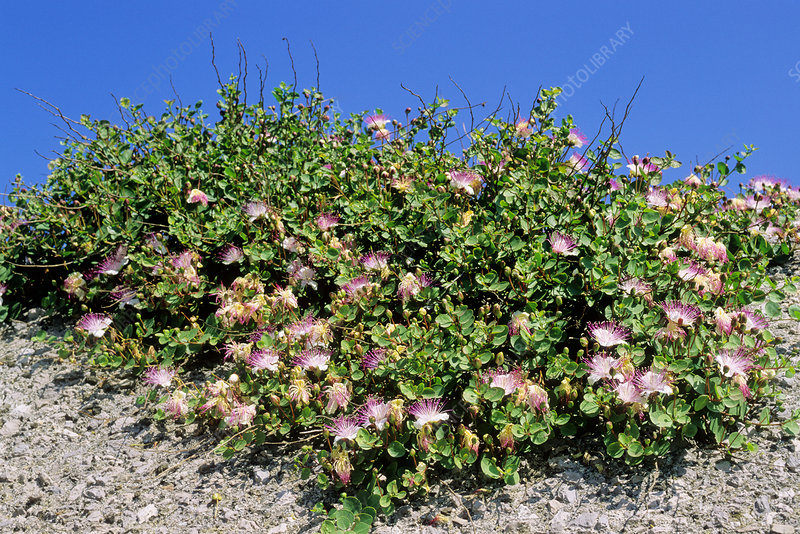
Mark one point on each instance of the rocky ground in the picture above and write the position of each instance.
(78, 455)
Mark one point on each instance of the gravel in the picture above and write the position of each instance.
(78, 455)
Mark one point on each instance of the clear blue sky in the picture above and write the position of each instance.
(715, 74)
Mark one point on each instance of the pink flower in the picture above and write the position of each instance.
(256, 210)
(735, 365)
(357, 288)
(679, 313)
(373, 358)
(469, 181)
(690, 271)
(628, 393)
(114, 263)
(159, 376)
(264, 359)
(375, 261)
(344, 428)
(94, 324)
(577, 163)
(195, 196)
(642, 167)
(576, 138)
(508, 381)
(602, 367)
(608, 333)
(428, 411)
(326, 221)
(766, 183)
(657, 198)
(154, 242)
(377, 122)
(654, 382)
(313, 359)
(636, 286)
(125, 296)
(231, 254)
(563, 244)
(375, 412)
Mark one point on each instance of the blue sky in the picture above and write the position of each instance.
(715, 74)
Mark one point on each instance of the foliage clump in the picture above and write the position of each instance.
(403, 308)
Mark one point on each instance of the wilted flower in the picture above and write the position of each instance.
(264, 359)
(313, 359)
(154, 242)
(506, 437)
(344, 427)
(75, 286)
(326, 221)
(292, 244)
(373, 358)
(403, 183)
(195, 196)
(519, 323)
(690, 271)
(177, 404)
(231, 254)
(375, 412)
(410, 285)
(563, 244)
(469, 440)
(241, 414)
(338, 396)
(159, 376)
(428, 411)
(283, 299)
(94, 324)
(469, 181)
(125, 296)
(693, 181)
(537, 398)
(524, 127)
(576, 138)
(723, 320)
(299, 392)
(340, 461)
(608, 333)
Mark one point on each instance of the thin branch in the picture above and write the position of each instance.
(316, 57)
(291, 59)
(214, 60)
(175, 91)
(471, 115)
(56, 112)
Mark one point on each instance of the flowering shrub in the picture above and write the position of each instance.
(403, 308)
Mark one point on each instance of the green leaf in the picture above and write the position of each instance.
(773, 310)
(589, 407)
(495, 394)
(794, 311)
(396, 449)
(344, 519)
(791, 428)
(489, 468)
